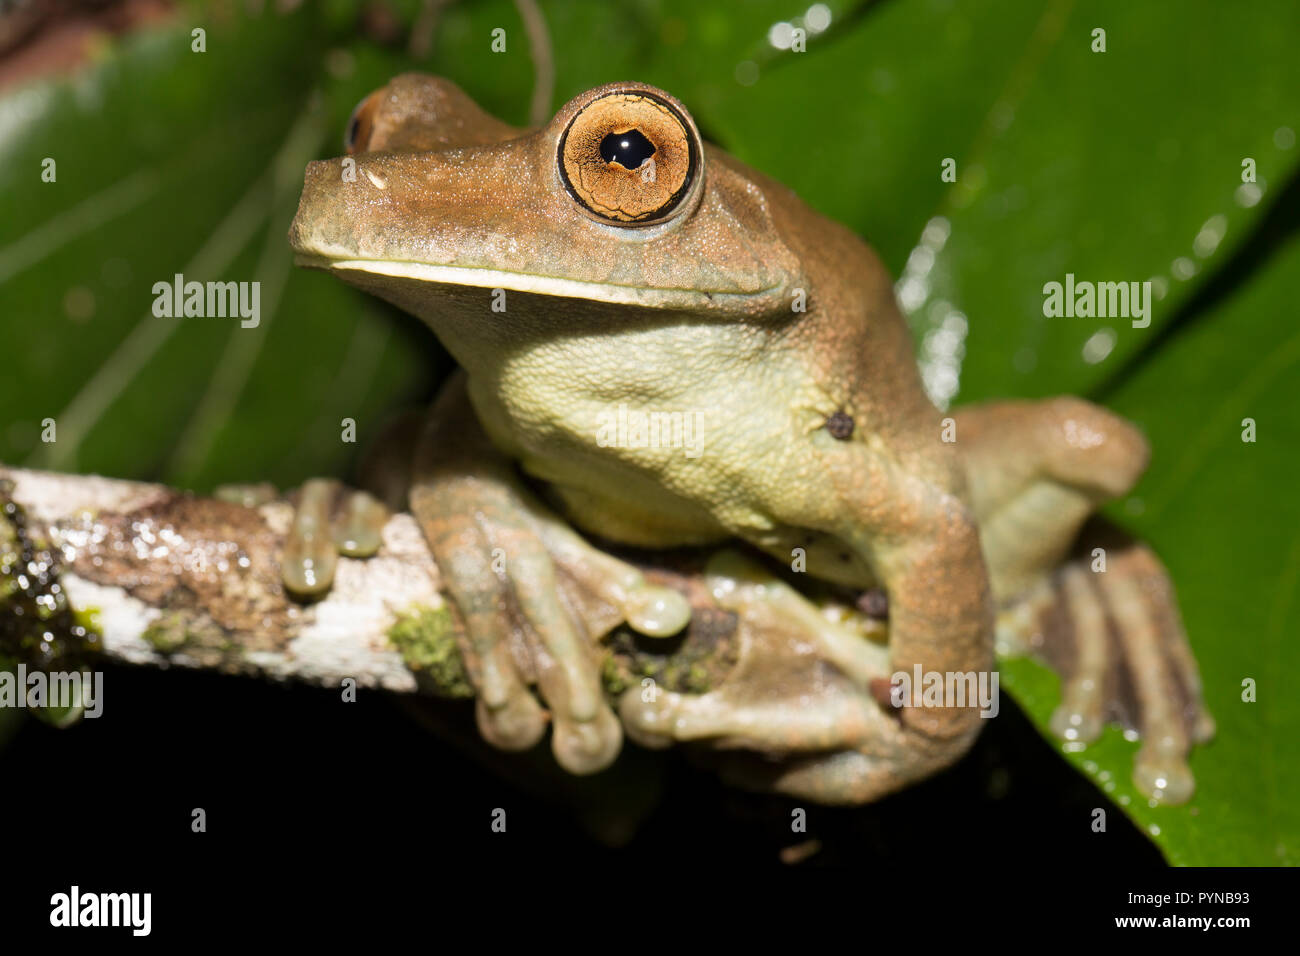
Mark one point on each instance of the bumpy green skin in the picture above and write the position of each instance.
(38, 625)
(425, 638)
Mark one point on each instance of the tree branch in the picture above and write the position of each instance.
(171, 579)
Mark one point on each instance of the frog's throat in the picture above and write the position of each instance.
(542, 285)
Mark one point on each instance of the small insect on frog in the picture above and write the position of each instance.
(632, 264)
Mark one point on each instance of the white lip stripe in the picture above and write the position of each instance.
(521, 282)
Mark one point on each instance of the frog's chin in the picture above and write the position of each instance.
(357, 271)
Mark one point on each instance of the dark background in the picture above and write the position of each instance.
(299, 770)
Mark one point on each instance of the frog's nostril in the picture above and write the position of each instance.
(317, 168)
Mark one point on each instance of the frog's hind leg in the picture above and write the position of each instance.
(846, 777)
(808, 709)
(1094, 602)
(1035, 472)
(1107, 621)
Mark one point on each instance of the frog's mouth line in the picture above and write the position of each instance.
(541, 285)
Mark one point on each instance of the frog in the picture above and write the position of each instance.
(610, 260)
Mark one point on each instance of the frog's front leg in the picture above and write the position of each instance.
(1096, 604)
(498, 550)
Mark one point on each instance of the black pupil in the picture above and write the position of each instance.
(629, 149)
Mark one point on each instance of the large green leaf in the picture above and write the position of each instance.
(1117, 166)
(1122, 165)
(1220, 512)
(171, 161)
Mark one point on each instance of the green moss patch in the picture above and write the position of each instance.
(425, 638)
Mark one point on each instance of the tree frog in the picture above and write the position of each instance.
(612, 262)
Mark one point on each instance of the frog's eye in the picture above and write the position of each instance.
(356, 139)
(629, 157)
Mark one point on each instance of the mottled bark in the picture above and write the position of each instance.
(167, 578)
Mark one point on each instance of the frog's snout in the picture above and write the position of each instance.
(318, 187)
(316, 168)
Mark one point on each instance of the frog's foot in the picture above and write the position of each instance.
(810, 699)
(328, 521)
(499, 550)
(1116, 638)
